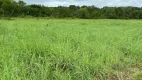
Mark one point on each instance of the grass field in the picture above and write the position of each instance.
(51, 49)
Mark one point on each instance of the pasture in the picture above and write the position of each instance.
(70, 49)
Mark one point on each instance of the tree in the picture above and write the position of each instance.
(119, 12)
(140, 15)
(127, 12)
(73, 10)
(83, 13)
(109, 12)
(45, 11)
(10, 8)
(1, 12)
(21, 3)
(137, 14)
(92, 10)
(63, 12)
(96, 14)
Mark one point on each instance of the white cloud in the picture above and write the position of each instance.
(98, 3)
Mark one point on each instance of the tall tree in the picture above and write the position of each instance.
(83, 13)
(109, 12)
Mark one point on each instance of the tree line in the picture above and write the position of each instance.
(11, 8)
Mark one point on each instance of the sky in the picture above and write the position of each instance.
(97, 3)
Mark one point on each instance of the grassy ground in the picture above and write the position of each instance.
(39, 49)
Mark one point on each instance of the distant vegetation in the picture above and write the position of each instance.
(11, 8)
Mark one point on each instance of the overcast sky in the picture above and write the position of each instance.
(98, 3)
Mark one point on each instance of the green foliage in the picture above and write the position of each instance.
(11, 8)
(110, 13)
(83, 13)
(1, 12)
(21, 3)
(96, 15)
(137, 14)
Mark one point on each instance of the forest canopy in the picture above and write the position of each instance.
(11, 8)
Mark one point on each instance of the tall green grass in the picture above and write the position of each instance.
(39, 49)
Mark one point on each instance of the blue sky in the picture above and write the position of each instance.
(98, 3)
